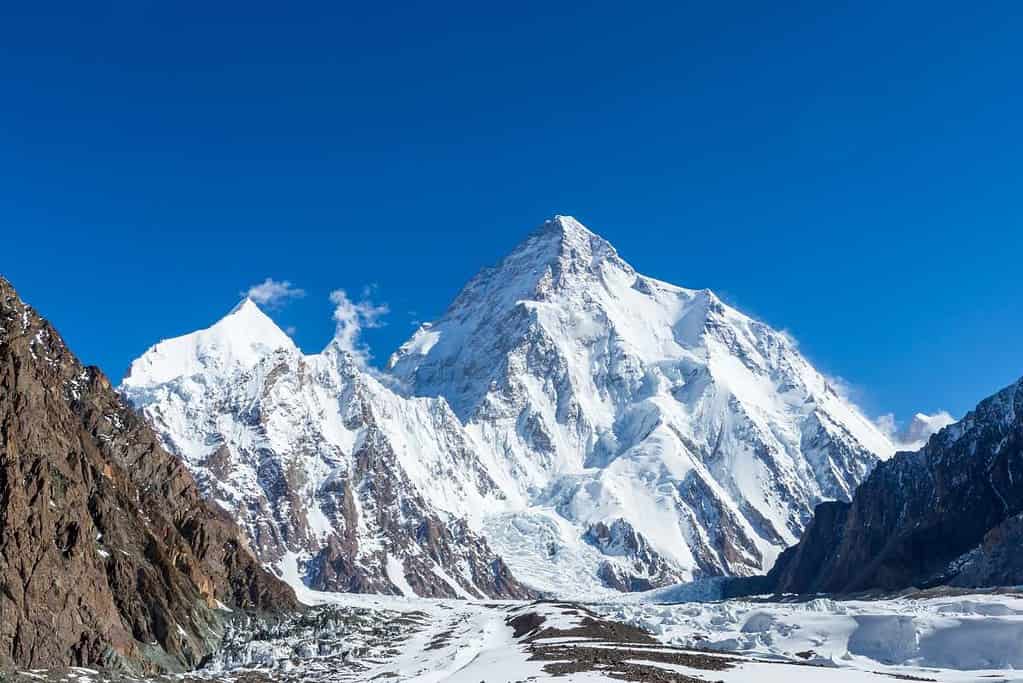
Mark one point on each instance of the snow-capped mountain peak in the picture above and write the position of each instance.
(610, 395)
(594, 426)
(576, 243)
(562, 253)
(239, 340)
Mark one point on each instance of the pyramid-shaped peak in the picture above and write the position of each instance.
(568, 230)
(567, 226)
(560, 255)
(240, 339)
(564, 239)
(248, 322)
(246, 307)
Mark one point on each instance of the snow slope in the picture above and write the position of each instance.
(925, 635)
(698, 437)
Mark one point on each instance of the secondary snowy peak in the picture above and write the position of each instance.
(611, 398)
(238, 341)
(338, 481)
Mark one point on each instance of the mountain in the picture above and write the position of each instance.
(340, 484)
(642, 433)
(951, 512)
(592, 427)
(109, 556)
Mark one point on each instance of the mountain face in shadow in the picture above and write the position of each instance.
(950, 513)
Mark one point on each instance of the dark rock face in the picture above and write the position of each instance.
(108, 554)
(948, 513)
(638, 568)
(997, 561)
(422, 540)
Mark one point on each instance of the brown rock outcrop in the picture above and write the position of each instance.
(109, 556)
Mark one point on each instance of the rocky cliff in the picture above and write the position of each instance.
(109, 556)
(948, 513)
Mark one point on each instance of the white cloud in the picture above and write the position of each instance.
(789, 337)
(845, 389)
(274, 293)
(352, 318)
(887, 424)
(913, 435)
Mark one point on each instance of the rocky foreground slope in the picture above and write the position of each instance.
(951, 512)
(109, 556)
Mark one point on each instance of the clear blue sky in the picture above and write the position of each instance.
(852, 175)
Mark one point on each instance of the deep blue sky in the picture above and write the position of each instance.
(852, 175)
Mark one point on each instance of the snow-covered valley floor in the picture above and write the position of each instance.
(938, 635)
(923, 636)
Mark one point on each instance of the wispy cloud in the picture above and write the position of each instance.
(273, 293)
(789, 337)
(914, 434)
(845, 389)
(352, 317)
(909, 436)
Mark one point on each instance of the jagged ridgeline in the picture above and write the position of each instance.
(109, 556)
(568, 425)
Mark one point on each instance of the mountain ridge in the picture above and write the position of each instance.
(591, 421)
(340, 484)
